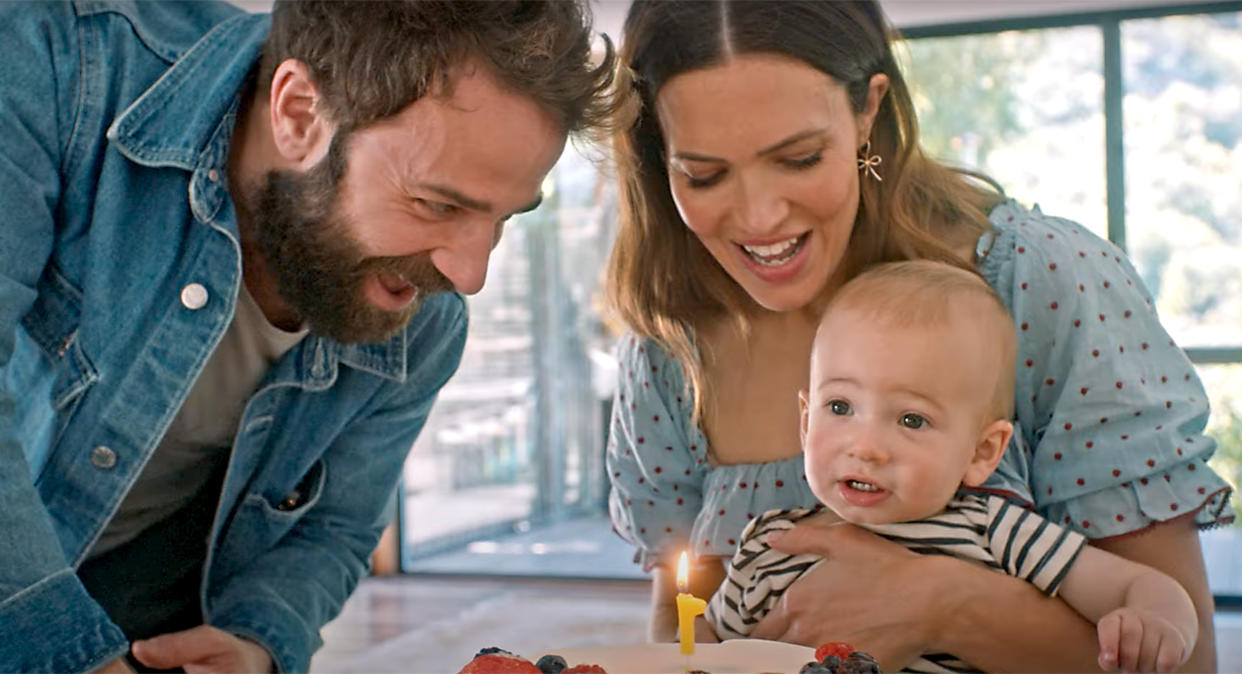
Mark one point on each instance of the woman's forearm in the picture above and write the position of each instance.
(999, 623)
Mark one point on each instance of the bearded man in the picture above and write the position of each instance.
(232, 253)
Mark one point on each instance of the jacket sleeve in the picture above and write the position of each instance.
(285, 596)
(48, 620)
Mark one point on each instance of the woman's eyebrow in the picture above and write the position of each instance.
(801, 135)
(776, 147)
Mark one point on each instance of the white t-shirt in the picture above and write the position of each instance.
(200, 437)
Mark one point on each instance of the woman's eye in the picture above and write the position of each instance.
(913, 421)
(806, 161)
(839, 407)
(704, 181)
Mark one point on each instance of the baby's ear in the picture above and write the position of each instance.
(993, 441)
(803, 407)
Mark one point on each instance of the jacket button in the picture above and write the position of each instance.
(194, 296)
(103, 458)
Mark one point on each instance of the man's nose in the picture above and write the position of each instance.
(463, 261)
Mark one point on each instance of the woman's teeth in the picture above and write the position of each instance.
(861, 486)
(775, 254)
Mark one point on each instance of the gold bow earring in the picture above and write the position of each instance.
(868, 162)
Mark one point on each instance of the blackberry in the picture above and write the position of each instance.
(551, 664)
(493, 650)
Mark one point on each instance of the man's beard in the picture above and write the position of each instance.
(318, 267)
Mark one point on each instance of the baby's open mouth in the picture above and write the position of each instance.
(861, 486)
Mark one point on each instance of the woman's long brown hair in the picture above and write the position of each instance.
(661, 280)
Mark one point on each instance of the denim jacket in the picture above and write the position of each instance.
(115, 224)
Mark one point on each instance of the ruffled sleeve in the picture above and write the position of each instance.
(1110, 409)
(654, 460)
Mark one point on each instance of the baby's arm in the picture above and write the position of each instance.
(1145, 620)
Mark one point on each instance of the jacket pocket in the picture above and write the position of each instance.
(290, 504)
(53, 323)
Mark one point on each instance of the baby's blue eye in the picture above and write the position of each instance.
(839, 407)
(914, 421)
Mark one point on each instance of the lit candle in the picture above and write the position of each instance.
(688, 606)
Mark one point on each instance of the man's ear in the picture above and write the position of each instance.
(301, 130)
(993, 441)
(803, 413)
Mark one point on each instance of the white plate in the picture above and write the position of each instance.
(738, 656)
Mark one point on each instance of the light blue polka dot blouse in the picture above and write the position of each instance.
(1109, 416)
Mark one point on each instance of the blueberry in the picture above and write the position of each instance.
(493, 650)
(863, 656)
(814, 668)
(832, 662)
(551, 664)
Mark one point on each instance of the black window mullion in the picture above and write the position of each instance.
(1114, 146)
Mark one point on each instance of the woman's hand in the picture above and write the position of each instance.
(897, 605)
(869, 592)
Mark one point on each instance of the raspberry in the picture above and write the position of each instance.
(584, 669)
(495, 663)
(838, 648)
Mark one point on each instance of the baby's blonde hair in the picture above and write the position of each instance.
(917, 293)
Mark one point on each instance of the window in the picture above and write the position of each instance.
(507, 476)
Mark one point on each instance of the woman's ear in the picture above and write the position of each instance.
(877, 88)
(803, 413)
(301, 130)
(993, 441)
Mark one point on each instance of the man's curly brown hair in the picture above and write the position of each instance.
(371, 59)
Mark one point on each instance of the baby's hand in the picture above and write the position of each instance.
(1133, 640)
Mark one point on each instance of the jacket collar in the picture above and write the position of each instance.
(179, 122)
(173, 122)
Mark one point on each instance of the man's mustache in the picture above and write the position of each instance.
(417, 270)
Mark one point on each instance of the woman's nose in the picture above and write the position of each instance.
(759, 207)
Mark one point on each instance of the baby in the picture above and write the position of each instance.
(911, 392)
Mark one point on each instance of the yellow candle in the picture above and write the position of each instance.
(688, 606)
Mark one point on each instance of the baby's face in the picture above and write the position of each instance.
(894, 415)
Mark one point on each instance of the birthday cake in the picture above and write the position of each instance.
(738, 656)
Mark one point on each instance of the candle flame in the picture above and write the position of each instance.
(683, 573)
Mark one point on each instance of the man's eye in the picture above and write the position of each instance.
(913, 421)
(839, 407)
(438, 207)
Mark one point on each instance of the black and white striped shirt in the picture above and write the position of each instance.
(983, 528)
